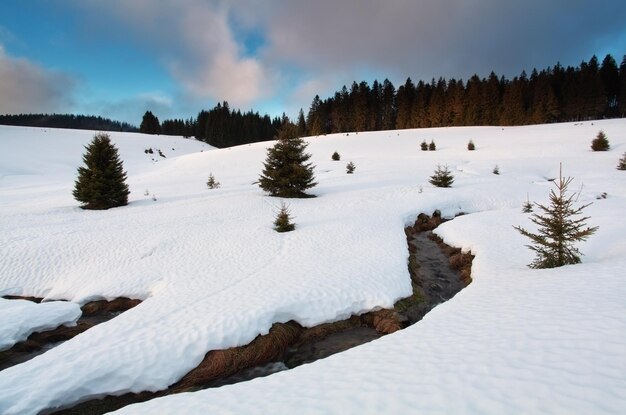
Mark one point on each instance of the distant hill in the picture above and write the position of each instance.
(71, 121)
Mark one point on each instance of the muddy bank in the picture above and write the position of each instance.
(437, 272)
(93, 313)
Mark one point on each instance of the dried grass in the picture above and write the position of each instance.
(223, 363)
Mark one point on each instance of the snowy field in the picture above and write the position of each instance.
(213, 273)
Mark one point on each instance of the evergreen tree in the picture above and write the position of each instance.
(471, 146)
(283, 221)
(316, 120)
(101, 184)
(527, 207)
(442, 177)
(388, 107)
(432, 146)
(455, 102)
(335, 156)
(591, 86)
(350, 168)
(496, 170)
(558, 229)
(211, 183)
(622, 163)
(473, 109)
(436, 103)
(600, 143)
(420, 116)
(610, 79)
(301, 124)
(514, 101)
(375, 105)
(621, 99)
(150, 124)
(424, 146)
(359, 95)
(404, 100)
(286, 172)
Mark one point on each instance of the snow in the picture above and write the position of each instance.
(214, 274)
(20, 318)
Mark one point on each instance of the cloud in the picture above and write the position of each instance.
(401, 38)
(195, 42)
(26, 87)
(306, 46)
(213, 64)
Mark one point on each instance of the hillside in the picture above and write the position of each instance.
(213, 274)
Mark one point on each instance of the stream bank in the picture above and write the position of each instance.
(437, 272)
(93, 313)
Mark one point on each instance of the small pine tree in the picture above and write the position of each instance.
(622, 163)
(350, 167)
(424, 146)
(496, 170)
(283, 223)
(336, 156)
(600, 143)
(558, 229)
(286, 172)
(527, 207)
(471, 146)
(442, 177)
(211, 183)
(101, 184)
(432, 146)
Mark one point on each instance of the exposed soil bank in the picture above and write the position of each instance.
(93, 313)
(437, 271)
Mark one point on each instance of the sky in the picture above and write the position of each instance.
(119, 58)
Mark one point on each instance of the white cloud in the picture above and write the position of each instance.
(26, 87)
(196, 43)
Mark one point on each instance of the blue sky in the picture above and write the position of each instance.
(119, 58)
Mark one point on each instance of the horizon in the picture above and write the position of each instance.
(116, 61)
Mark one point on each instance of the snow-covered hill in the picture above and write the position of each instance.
(214, 274)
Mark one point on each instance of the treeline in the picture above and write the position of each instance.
(589, 91)
(219, 127)
(556, 94)
(70, 121)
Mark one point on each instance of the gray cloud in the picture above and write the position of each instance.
(446, 37)
(354, 40)
(26, 87)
